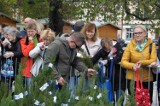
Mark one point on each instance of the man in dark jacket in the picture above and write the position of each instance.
(61, 55)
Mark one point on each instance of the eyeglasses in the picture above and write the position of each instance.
(137, 33)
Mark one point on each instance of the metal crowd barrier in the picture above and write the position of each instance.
(10, 80)
(150, 68)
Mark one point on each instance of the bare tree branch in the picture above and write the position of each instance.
(127, 11)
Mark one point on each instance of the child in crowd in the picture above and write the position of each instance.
(118, 77)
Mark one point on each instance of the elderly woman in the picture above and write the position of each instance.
(11, 56)
(38, 52)
(137, 56)
(14, 49)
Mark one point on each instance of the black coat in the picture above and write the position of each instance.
(16, 49)
(158, 53)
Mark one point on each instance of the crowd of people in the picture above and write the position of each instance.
(36, 48)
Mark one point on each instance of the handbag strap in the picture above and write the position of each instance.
(138, 80)
(44, 53)
(87, 49)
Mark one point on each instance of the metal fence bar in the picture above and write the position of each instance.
(120, 74)
(9, 80)
(149, 78)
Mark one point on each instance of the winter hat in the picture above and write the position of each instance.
(78, 26)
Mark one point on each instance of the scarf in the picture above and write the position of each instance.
(140, 47)
(35, 41)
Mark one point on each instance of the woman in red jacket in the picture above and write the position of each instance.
(27, 44)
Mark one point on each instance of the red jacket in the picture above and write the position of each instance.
(27, 62)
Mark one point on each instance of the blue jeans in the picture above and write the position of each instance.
(72, 86)
(27, 83)
(73, 82)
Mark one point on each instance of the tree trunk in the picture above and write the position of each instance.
(55, 18)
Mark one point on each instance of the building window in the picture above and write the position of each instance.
(129, 33)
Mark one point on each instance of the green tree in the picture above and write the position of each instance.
(7, 6)
(102, 10)
(33, 8)
(87, 10)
